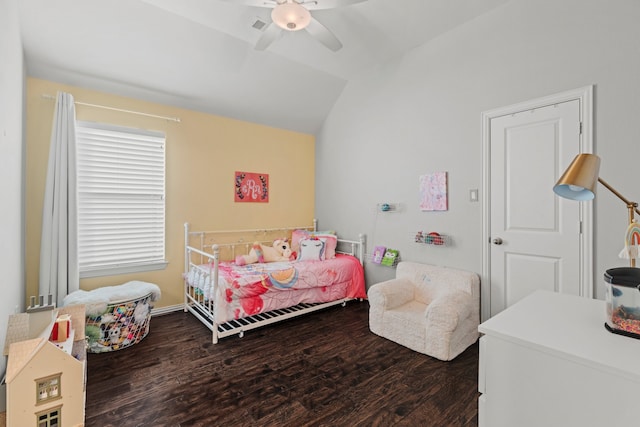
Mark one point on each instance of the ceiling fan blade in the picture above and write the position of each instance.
(268, 36)
(309, 4)
(326, 4)
(323, 35)
(256, 3)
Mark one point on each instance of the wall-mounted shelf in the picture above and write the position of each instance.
(382, 262)
(432, 238)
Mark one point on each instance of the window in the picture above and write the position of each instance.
(49, 418)
(121, 199)
(48, 388)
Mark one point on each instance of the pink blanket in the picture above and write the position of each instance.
(256, 288)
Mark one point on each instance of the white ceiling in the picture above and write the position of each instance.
(199, 55)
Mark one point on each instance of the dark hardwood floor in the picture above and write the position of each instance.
(322, 369)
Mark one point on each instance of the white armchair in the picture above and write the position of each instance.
(429, 309)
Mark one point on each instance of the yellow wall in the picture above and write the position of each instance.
(202, 153)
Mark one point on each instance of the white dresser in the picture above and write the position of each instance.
(548, 361)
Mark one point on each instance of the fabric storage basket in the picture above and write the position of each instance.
(113, 322)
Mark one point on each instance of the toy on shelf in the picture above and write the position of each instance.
(378, 254)
(391, 258)
(388, 207)
(61, 328)
(432, 238)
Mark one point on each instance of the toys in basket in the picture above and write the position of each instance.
(117, 317)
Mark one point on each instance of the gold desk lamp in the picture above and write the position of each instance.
(578, 182)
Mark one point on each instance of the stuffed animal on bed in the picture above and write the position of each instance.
(280, 251)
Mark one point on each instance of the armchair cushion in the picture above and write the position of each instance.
(429, 309)
(392, 293)
(448, 310)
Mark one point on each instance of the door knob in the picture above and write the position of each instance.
(497, 241)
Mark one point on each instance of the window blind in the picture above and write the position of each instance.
(121, 197)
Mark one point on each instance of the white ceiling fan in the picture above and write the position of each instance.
(294, 15)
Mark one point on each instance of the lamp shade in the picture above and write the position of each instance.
(580, 179)
(291, 16)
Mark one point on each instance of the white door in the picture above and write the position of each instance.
(535, 236)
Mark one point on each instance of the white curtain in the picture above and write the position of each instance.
(59, 243)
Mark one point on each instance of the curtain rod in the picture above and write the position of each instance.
(173, 119)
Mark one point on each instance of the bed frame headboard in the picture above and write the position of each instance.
(230, 243)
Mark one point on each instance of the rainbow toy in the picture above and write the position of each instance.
(631, 242)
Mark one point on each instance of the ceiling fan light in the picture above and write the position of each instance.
(291, 16)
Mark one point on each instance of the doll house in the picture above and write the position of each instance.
(46, 367)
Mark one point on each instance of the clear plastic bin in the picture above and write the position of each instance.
(622, 297)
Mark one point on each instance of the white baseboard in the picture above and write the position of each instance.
(166, 310)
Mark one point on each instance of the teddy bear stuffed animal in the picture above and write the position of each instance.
(280, 251)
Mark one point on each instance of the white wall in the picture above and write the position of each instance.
(422, 113)
(11, 171)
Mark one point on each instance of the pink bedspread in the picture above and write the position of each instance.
(256, 288)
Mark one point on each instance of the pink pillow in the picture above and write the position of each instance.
(330, 242)
(296, 236)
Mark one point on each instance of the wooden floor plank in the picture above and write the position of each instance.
(322, 369)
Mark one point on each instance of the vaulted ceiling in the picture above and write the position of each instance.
(199, 54)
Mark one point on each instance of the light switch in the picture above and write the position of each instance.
(473, 195)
